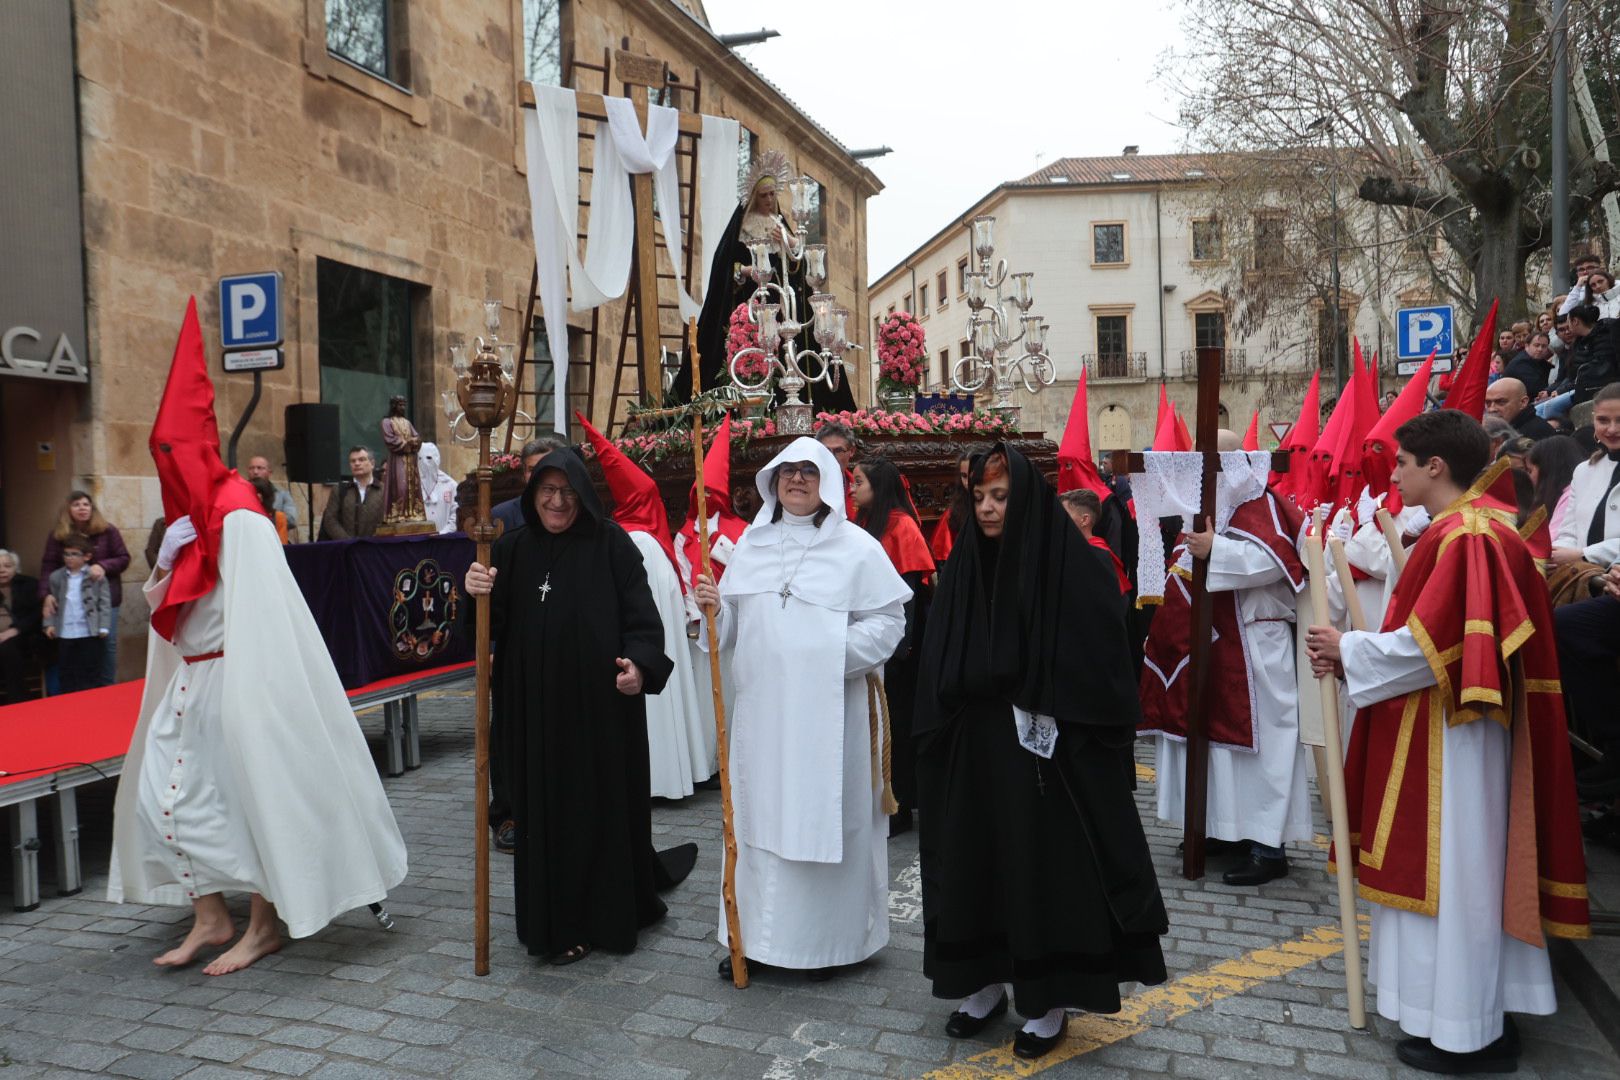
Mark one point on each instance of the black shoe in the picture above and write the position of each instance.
(506, 837)
(1256, 871)
(1029, 1046)
(754, 966)
(1213, 846)
(1501, 1056)
(962, 1026)
(1604, 829)
(822, 974)
(899, 822)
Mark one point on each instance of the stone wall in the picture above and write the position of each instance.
(220, 137)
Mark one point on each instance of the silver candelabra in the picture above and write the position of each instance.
(990, 329)
(774, 309)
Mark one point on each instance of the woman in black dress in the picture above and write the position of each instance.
(1035, 869)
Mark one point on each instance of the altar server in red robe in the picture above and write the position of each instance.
(1461, 797)
(1256, 795)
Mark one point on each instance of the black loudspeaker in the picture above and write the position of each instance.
(311, 442)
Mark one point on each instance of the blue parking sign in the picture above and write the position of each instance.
(1423, 330)
(250, 310)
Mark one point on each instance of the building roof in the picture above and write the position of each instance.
(1122, 169)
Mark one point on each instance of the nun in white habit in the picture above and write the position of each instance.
(809, 605)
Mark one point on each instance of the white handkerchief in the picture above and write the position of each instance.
(1036, 733)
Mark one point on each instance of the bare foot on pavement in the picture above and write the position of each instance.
(204, 932)
(255, 945)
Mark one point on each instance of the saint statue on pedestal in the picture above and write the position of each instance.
(402, 478)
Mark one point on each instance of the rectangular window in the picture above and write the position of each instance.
(944, 295)
(1111, 337)
(1108, 244)
(747, 147)
(906, 302)
(1269, 253)
(1209, 330)
(1206, 240)
(368, 34)
(1326, 358)
(965, 348)
(944, 367)
(816, 226)
(542, 41)
(961, 277)
(366, 347)
(922, 298)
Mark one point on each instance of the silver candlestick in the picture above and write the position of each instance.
(990, 329)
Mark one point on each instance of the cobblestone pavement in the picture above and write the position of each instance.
(78, 993)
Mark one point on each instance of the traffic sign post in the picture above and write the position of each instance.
(250, 334)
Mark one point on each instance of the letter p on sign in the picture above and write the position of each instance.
(250, 310)
(1421, 331)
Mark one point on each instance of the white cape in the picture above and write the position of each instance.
(678, 751)
(272, 788)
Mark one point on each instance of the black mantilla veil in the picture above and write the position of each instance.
(565, 606)
(1033, 616)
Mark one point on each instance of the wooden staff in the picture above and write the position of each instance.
(728, 880)
(1352, 599)
(1336, 795)
(1392, 536)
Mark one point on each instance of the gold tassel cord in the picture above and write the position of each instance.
(877, 706)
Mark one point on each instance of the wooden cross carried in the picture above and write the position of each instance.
(1203, 613)
(637, 72)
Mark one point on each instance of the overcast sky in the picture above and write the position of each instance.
(1065, 79)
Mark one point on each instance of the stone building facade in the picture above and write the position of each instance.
(1133, 265)
(371, 153)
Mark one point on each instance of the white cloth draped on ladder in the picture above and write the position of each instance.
(551, 136)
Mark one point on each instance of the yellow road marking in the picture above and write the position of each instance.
(1146, 772)
(1160, 1005)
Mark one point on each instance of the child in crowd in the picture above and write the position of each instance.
(81, 620)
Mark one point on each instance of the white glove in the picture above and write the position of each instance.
(1366, 506)
(1342, 528)
(179, 533)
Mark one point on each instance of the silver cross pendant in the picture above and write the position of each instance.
(785, 591)
(545, 587)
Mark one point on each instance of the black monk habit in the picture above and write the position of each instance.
(564, 607)
(1035, 871)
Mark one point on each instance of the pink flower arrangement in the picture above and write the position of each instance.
(743, 334)
(649, 447)
(504, 463)
(880, 422)
(902, 351)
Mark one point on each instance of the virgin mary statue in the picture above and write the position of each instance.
(759, 218)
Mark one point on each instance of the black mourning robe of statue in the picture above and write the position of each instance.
(564, 607)
(721, 297)
(1034, 871)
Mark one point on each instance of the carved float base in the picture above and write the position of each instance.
(406, 528)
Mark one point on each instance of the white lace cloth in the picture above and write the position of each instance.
(1172, 484)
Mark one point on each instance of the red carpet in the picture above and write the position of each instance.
(43, 736)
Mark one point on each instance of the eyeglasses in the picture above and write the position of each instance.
(798, 468)
(551, 492)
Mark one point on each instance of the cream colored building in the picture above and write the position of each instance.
(1132, 264)
(370, 151)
